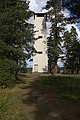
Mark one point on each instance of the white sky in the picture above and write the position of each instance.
(37, 5)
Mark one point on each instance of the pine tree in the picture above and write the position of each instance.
(72, 44)
(16, 36)
(73, 6)
(56, 34)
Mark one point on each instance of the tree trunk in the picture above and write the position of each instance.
(53, 69)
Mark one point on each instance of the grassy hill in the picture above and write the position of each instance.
(42, 97)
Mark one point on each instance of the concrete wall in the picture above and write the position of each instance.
(40, 61)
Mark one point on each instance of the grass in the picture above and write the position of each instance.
(42, 97)
(65, 86)
(10, 105)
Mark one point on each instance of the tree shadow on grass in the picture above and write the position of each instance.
(53, 98)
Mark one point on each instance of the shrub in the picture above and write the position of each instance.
(7, 72)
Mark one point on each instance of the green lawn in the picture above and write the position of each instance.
(42, 97)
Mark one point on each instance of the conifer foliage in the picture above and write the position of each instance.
(72, 45)
(60, 37)
(73, 6)
(16, 36)
(56, 34)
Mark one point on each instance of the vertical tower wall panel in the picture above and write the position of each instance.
(40, 60)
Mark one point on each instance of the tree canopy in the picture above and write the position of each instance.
(73, 6)
(56, 35)
(59, 36)
(72, 45)
(16, 35)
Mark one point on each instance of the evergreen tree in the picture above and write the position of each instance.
(16, 36)
(72, 44)
(73, 6)
(56, 34)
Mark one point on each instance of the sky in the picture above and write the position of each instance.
(37, 5)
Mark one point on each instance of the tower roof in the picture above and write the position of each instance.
(40, 13)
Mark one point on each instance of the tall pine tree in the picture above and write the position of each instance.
(16, 37)
(73, 6)
(56, 34)
(72, 45)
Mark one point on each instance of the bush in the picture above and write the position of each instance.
(7, 72)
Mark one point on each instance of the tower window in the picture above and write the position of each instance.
(40, 15)
(40, 36)
(40, 52)
(35, 64)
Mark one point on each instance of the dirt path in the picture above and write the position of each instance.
(45, 105)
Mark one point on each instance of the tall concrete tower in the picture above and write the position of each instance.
(40, 60)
